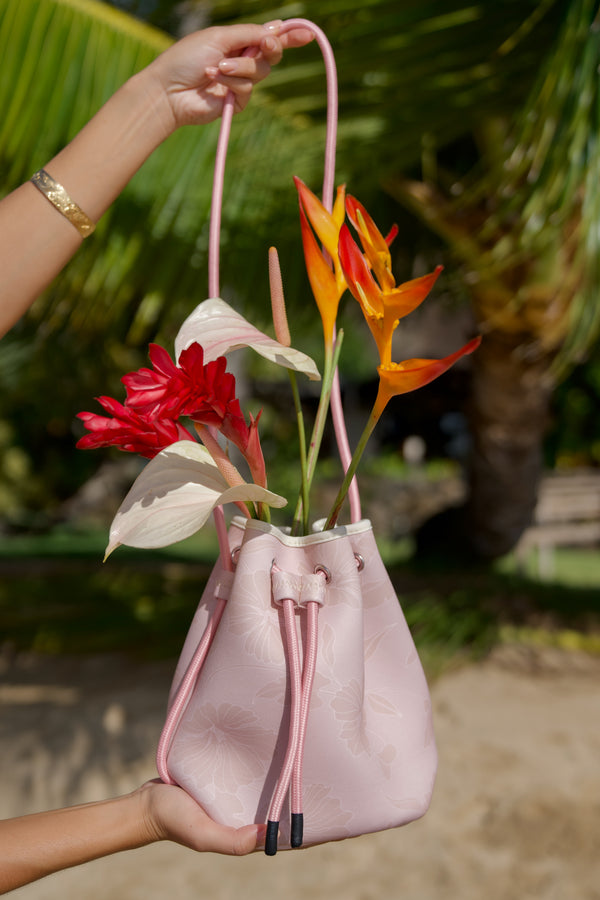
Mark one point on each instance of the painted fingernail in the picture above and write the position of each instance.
(227, 66)
(275, 25)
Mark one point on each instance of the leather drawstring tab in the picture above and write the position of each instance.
(293, 592)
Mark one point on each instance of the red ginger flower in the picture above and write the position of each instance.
(129, 431)
(205, 393)
(157, 397)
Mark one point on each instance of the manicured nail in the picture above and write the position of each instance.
(269, 43)
(211, 71)
(227, 66)
(275, 25)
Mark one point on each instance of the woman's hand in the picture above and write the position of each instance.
(195, 74)
(170, 814)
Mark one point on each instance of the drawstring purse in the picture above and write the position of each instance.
(299, 698)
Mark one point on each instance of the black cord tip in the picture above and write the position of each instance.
(271, 838)
(297, 830)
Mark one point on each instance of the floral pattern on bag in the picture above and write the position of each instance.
(234, 747)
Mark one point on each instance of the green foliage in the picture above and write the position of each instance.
(574, 438)
(405, 69)
(544, 180)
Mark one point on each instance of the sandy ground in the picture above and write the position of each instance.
(515, 815)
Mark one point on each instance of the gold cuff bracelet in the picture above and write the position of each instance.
(59, 198)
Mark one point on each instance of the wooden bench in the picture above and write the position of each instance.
(567, 514)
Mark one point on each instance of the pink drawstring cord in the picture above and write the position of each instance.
(301, 684)
(289, 610)
(214, 233)
(308, 677)
(213, 261)
(341, 437)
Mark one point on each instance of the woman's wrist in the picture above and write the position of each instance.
(149, 98)
(151, 830)
(98, 163)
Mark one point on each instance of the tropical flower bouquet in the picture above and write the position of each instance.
(182, 413)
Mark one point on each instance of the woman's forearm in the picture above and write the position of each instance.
(37, 239)
(102, 158)
(37, 845)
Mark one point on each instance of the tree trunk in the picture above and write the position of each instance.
(508, 417)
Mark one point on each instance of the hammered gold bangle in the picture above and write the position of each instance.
(59, 198)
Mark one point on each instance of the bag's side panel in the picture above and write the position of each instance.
(228, 738)
(385, 723)
(203, 614)
(197, 627)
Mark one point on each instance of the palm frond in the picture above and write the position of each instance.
(532, 204)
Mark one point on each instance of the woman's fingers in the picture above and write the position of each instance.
(297, 37)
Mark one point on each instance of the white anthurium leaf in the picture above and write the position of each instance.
(218, 328)
(173, 497)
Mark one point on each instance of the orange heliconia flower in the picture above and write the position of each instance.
(400, 378)
(375, 246)
(382, 301)
(323, 265)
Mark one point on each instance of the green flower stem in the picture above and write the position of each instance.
(356, 457)
(331, 360)
(301, 439)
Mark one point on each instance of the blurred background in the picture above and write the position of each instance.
(473, 126)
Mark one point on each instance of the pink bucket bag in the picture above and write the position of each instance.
(299, 698)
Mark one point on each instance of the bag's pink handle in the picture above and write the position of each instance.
(337, 411)
(327, 199)
(188, 682)
(213, 265)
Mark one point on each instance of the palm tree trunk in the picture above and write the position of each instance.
(508, 416)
